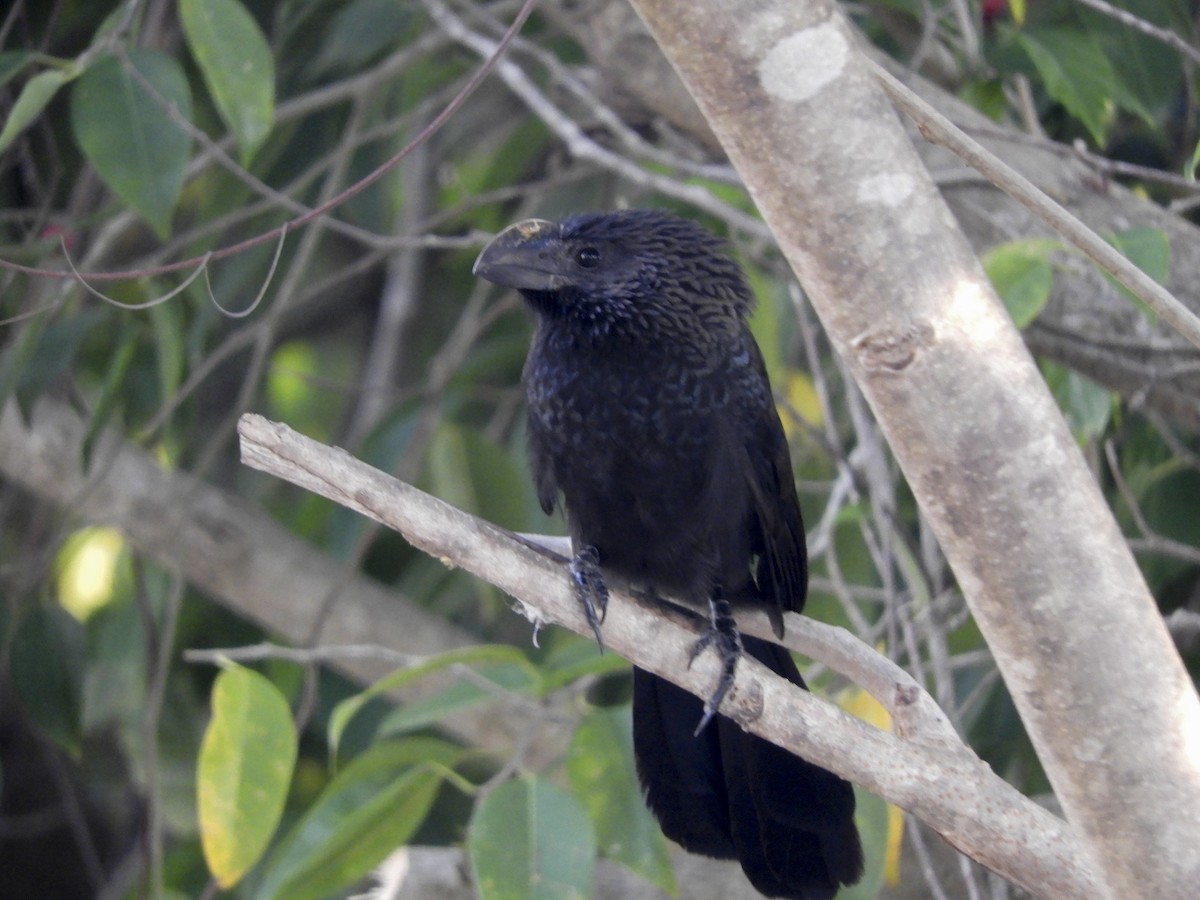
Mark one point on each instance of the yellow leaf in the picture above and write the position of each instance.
(864, 706)
(802, 404)
(87, 570)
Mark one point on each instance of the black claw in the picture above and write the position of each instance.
(722, 635)
(593, 592)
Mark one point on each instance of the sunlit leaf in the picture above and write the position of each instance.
(803, 404)
(87, 570)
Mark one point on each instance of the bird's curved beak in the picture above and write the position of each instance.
(521, 256)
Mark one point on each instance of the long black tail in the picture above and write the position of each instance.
(728, 794)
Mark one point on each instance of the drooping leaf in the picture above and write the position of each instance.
(601, 770)
(528, 840)
(128, 135)
(245, 766)
(236, 62)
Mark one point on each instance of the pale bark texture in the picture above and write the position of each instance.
(1106, 700)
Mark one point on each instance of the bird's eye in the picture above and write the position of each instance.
(587, 257)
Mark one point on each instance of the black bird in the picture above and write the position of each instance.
(651, 414)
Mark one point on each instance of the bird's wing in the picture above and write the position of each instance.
(543, 471)
(782, 570)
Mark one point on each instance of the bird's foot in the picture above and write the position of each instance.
(722, 635)
(593, 592)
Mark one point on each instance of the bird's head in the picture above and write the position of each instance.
(631, 275)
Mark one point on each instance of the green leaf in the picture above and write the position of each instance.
(12, 62)
(245, 766)
(528, 840)
(1147, 75)
(236, 63)
(115, 680)
(516, 678)
(1076, 73)
(41, 351)
(46, 666)
(169, 340)
(601, 770)
(1150, 250)
(361, 31)
(575, 659)
(37, 93)
(1087, 406)
(1021, 273)
(111, 393)
(487, 653)
(1190, 171)
(372, 807)
(475, 474)
(128, 135)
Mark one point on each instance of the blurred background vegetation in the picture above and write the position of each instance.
(140, 134)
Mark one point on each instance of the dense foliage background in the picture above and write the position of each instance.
(144, 134)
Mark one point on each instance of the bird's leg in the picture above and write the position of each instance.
(722, 635)
(593, 592)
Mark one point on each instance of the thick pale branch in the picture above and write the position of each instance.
(934, 776)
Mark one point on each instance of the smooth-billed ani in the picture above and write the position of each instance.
(651, 414)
